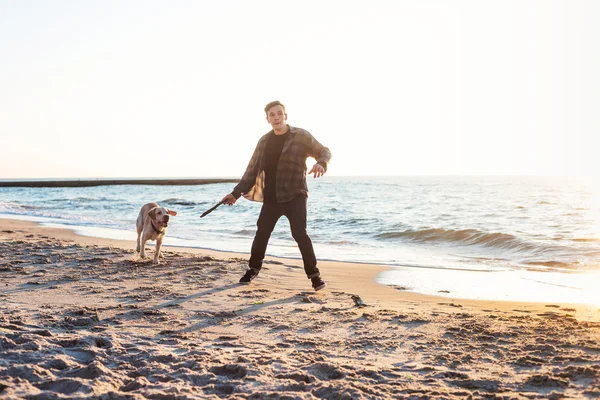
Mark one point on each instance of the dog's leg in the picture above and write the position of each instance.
(143, 246)
(157, 250)
(139, 226)
(143, 249)
(138, 244)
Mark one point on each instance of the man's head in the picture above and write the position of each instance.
(276, 116)
(273, 104)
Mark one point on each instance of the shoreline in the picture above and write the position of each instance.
(502, 284)
(83, 317)
(332, 270)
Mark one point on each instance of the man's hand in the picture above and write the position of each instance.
(317, 170)
(229, 200)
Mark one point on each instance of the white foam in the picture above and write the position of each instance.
(507, 285)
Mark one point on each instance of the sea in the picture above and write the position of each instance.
(490, 238)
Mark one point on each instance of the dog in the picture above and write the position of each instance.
(151, 224)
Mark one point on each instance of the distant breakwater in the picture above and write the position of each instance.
(112, 182)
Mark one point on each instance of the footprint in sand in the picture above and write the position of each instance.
(60, 363)
(80, 355)
(230, 371)
(62, 386)
(326, 372)
(297, 376)
(94, 370)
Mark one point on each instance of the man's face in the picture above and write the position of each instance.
(277, 117)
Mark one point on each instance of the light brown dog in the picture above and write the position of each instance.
(152, 223)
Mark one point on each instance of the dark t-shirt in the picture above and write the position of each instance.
(272, 154)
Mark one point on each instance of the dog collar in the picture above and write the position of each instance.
(156, 230)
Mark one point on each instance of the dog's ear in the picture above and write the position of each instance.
(171, 212)
(152, 213)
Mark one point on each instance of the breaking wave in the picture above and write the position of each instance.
(462, 236)
(15, 208)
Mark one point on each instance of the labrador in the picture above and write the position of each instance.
(152, 223)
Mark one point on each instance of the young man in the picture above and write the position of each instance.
(276, 175)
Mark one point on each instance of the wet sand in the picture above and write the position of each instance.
(83, 317)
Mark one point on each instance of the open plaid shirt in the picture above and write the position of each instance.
(291, 170)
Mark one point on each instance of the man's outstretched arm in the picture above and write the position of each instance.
(248, 180)
(320, 153)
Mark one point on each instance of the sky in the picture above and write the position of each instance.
(100, 89)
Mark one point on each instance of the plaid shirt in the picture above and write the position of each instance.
(291, 170)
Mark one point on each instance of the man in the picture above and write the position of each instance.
(276, 175)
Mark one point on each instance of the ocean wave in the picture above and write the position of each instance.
(464, 236)
(15, 208)
(342, 222)
(246, 232)
(80, 199)
(182, 202)
(343, 243)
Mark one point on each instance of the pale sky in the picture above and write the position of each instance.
(177, 88)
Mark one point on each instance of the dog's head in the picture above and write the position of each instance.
(161, 216)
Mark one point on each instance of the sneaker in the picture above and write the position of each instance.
(248, 276)
(317, 283)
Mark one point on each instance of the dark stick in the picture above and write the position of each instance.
(213, 208)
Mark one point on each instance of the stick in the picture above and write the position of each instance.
(213, 208)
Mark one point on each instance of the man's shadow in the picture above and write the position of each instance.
(212, 318)
(219, 318)
(176, 302)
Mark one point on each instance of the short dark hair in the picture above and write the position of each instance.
(273, 104)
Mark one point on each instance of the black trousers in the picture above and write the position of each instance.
(295, 210)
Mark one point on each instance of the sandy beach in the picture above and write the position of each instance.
(82, 317)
